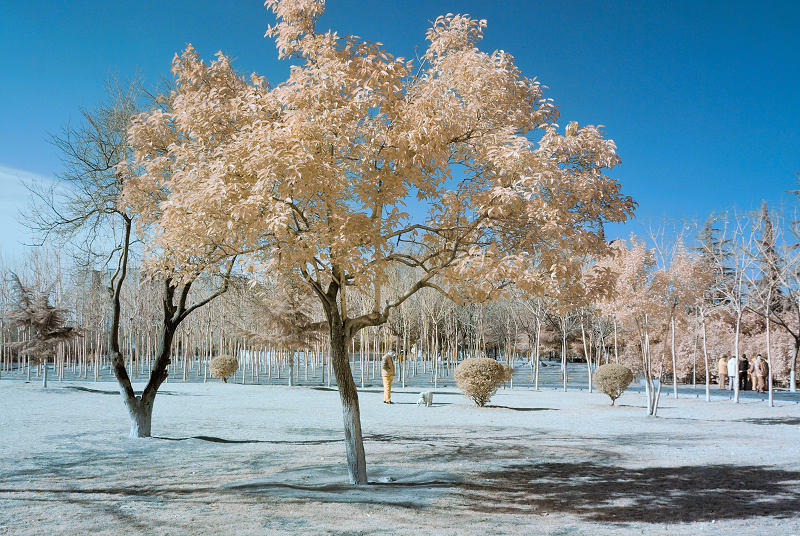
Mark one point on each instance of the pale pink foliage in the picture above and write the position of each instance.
(313, 175)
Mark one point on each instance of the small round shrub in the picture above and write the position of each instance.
(479, 377)
(223, 366)
(613, 380)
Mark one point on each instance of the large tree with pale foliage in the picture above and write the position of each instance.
(313, 176)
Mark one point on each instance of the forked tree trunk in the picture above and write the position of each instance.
(141, 414)
(140, 408)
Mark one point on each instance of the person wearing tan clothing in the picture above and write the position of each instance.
(722, 369)
(759, 371)
(387, 375)
(765, 373)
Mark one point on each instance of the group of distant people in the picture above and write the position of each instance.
(753, 374)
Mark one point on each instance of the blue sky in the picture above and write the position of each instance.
(701, 97)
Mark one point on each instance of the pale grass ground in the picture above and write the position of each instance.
(537, 463)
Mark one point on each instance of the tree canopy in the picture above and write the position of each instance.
(313, 177)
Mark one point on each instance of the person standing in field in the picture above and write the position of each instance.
(764, 374)
(722, 369)
(758, 371)
(744, 365)
(387, 375)
(731, 372)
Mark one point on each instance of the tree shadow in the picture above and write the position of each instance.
(116, 392)
(213, 439)
(773, 420)
(597, 493)
(433, 405)
(397, 438)
(523, 409)
(388, 486)
(649, 495)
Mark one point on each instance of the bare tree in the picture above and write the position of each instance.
(85, 209)
(44, 323)
(735, 256)
(287, 316)
(765, 285)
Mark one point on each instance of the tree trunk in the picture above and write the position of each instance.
(736, 349)
(657, 397)
(141, 415)
(648, 386)
(354, 441)
(564, 356)
(705, 357)
(587, 355)
(44, 376)
(769, 353)
(674, 364)
(538, 335)
(290, 356)
(140, 408)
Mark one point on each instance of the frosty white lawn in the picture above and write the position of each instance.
(272, 461)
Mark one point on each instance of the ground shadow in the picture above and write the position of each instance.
(388, 486)
(104, 392)
(433, 405)
(773, 420)
(523, 409)
(213, 439)
(397, 438)
(596, 493)
(649, 495)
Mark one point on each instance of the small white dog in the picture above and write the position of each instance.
(425, 397)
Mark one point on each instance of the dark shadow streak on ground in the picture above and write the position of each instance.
(773, 420)
(138, 393)
(595, 492)
(405, 391)
(523, 409)
(331, 493)
(137, 491)
(46, 465)
(435, 404)
(650, 495)
(213, 439)
(439, 439)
